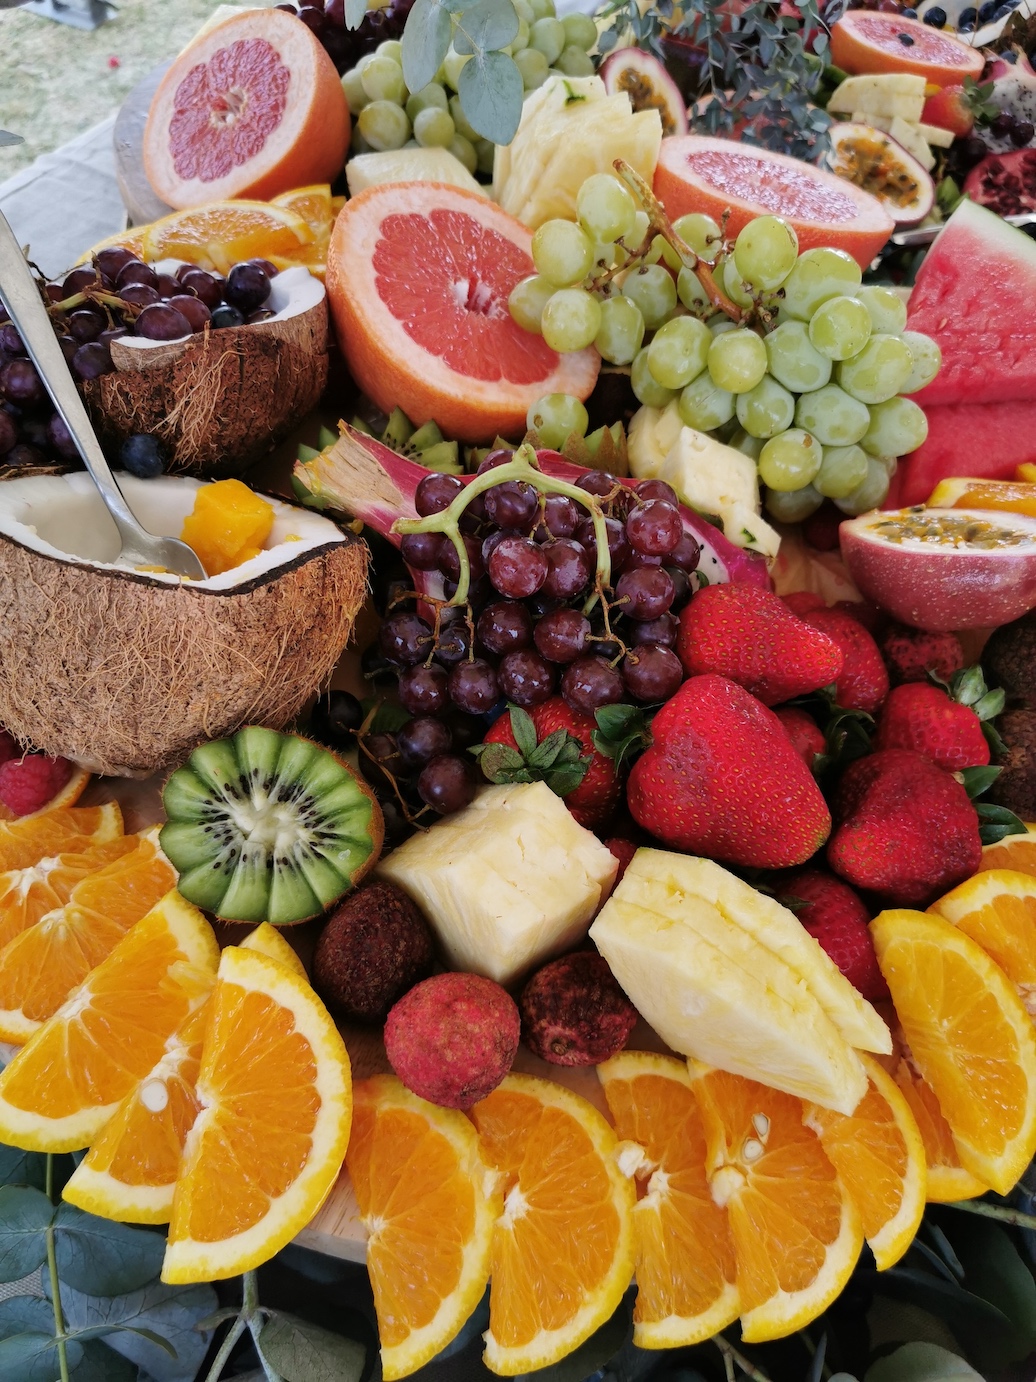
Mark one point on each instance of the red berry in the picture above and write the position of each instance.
(27, 784)
(835, 916)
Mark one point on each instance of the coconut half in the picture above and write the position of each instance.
(220, 400)
(126, 671)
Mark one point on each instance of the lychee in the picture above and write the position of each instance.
(574, 1012)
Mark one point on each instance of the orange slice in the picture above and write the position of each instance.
(276, 1099)
(563, 1247)
(998, 910)
(27, 840)
(28, 894)
(685, 1263)
(313, 204)
(426, 1201)
(132, 239)
(1012, 852)
(269, 941)
(40, 967)
(220, 234)
(970, 1037)
(797, 1233)
(68, 1080)
(880, 1157)
(67, 796)
(947, 1179)
(1009, 495)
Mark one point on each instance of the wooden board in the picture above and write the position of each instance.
(142, 204)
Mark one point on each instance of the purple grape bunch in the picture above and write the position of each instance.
(345, 47)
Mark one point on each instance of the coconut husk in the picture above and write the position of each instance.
(219, 400)
(136, 673)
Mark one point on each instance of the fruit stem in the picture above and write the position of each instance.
(1015, 1217)
(254, 1316)
(55, 1285)
(731, 1356)
(226, 1348)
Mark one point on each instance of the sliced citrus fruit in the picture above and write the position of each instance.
(68, 1080)
(313, 204)
(984, 494)
(685, 1265)
(27, 840)
(276, 1103)
(1012, 852)
(880, 1157)
(998, 910)
(40, 967)
(418, 277)
(797, 1233)
(947, 1179)
(970, 1037)
(132, 240)
(269, 941)
(28, 894)
(563, 1247)
(223, 233)
(426, 1199)
(866, 41)
(65, 796)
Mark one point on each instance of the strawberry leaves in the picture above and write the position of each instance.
(995, 822)
(968, 687)
(558, 760)
(622, 730)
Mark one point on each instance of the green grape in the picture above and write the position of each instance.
(844, 468)
(521, 38)
(646, 388)
(635, 239)
(703, 405)
(678, 352)
(720, 324)
(430, 97)
(652, 288)
(464, 151)
(898, 426)
(603, 257)
(869, 493)
(575, 61)
(737, 360)
(621, 333)
(733, 286)
(887, 309)
(524, 10)
(382, 79)
(765, 252)
(819, 274)
(528, 299)
(461, 120)
(793, 505)
(354, 92)
(834, 417)
(691, 293)
(452, 64)
(357, 143)
(765, 410)
(547, 35)
(562, 252)
(605, 208)
(747, 445)
(701, 234)
(384, 125)
(555, 417)
(879, 371)
(926, 357)
(662, 251)
(391, 48)
(532, 66)
(790, 460)
(542, 9)
(571, 320)
(581, 30)
(840, 328)
(434, 129)
(485, 152)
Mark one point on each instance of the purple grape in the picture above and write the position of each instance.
(446, 784)
(8, 433)
(686, 554)
(182, 270)
(656, 489)
(92, 360)
(114, 333)
(160, 322)
(526, 678)
(34, 432)
(561, 517)
(110, 262)
(454, 645)
(85, 325)
(644, 593)
(474, 687)
(337, 46)
(490, 543)
(195, 311)
(405, 639)
(134, 272)
(512, 504)
(421, 550)
(225, 315)
(494, 459)
(25, 455)
(436, 493)
(681, 586)
(247, 284)
(21, 383)
(11, 343)
(335, 11)
(597, 482)
(421, 739)
(449, 561)
(167, 286)
(79, 279)
(636, 561)
(314, 19)
(563, 635)
(618, 543)
(139, 294)
(203, 285)
(662, 630)
(589, 683)
(424, 690)
(651, 672)
(270, 270)
(654, 527)
(59, 438)
(569, 569)
(517, 567)
(503, 627)
(68, 348)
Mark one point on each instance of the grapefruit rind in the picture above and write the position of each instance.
(868, 42)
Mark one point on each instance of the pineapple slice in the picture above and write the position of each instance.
(506, 883)
(408, 165)
(883, 94)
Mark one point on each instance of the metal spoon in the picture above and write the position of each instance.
(21, 297)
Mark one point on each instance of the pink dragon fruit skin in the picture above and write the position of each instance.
(1014, 90)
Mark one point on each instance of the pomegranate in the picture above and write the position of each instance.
(1006, 183)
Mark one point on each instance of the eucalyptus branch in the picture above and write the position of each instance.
(226, 1348)
(731, 1356)
(1015, 1217)
(55, 1285)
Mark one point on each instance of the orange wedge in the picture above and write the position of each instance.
(70, 1077)
(880, 1157)
(27, 840)
(1011, 495)
(1012, 852)
(998, 910)
(132, 239)
(425, 1197)
(563, 1247)
(797, 1233)
(685, 1263)
(947, 1179)
(66, 796)
(220, 234)
(338, 202)
(276, 1100)
(40, 967)
(970, 1037)
(313, 204)
(269, 941)
(28, 894)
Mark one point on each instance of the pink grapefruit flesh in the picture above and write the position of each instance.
(873, 41)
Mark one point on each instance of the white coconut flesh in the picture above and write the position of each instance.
(63, 517)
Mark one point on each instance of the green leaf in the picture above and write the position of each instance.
(591, 1356)
(978, 780)
(217, 1318)
(22, 1168)
(990, 705)
(101, 1331)
(490, 89)
(563, 781)
(426, 39)
(994, 1270)
(304, 1352)
(969, 685)
(355, 13)
(975, 1323)
(170, 1311)
(388, 716)
(485, 25)
(500, 763)
(34, 1357)
(102, 1257)
(546, 753)
(920, 1362)
(896, 1322)
(6, 138)
(523, 729)
(25, 1214)
(100, 1364)
(25, 1315)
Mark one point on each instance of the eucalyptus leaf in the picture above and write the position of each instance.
(25, 1315)
(6, 138)
(100, 1364)
(994, 1270)
(101, 1331)
(170, 1311)
(485, 25)
(426, 39)
(103, 1257)
(921, 1362)
(304, 1352)
(25, 1214)
(355, 13)
(977, 1325)
(34, 1357)
(22, 1168)
(491, 91)
(897, 1322)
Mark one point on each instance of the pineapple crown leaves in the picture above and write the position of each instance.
(995, 822)
(622, 730)
(558, 760)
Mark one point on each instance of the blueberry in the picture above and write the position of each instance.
(226, 316)
(935, 16)
(987, 11)
(907, 40)
(908, 14)
(1003, 11)
(141, 455)
(966, 19)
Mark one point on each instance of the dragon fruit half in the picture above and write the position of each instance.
(1014, 91)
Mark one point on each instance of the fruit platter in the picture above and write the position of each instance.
(572, 850)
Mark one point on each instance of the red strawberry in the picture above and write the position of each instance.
(821, 528)
(723, 779)
(835, 917)
(950, 109)
(910, 654)
(751, 637)
(801, 601)
(803, 731)
(870, 616)
(923, 718)
(624, 851)
(27, 784)
(598, 786)
(863, 682)
(905, 829)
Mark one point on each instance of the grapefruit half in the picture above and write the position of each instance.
(252, 108)
(418, 276)
(714, 176)
(873, 41)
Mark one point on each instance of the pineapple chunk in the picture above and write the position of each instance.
(876, 122)
(652, 434)
(887, 94)
(932, 134)
(909, 134)
(506, 883)
(408, 165)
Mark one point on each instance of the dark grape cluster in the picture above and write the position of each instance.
(345, 47)
(31, 432)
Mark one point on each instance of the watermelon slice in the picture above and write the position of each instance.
(981, 440)
(974, 295)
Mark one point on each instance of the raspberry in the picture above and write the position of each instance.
(8, 748)
(27, 784)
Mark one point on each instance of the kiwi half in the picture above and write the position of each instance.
(268, 827)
